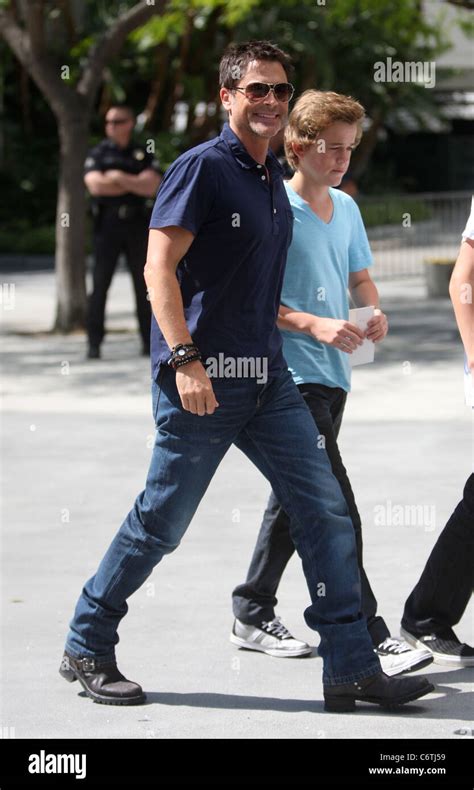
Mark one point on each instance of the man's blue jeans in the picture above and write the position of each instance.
(272, 425)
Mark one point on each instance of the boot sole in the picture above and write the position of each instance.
(439, 658)
(71, 676)
(295, 653)
(347, 704)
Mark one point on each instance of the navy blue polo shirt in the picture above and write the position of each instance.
(231, 276)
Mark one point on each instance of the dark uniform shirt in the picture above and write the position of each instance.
(231, 276)
(133, 159)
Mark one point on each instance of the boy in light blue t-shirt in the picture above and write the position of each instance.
(329, 254)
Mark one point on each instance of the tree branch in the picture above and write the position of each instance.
(110, 43)
(15, 37)
(36, 61)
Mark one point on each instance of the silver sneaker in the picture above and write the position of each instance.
(397, 656)
(270, 637)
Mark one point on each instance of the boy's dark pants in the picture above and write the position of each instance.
(256, 600)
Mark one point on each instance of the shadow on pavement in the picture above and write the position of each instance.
(444, 707)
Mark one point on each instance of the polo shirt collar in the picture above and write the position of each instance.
(243, 157)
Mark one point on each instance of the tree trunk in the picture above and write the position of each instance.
(72, 108)
(70, 225)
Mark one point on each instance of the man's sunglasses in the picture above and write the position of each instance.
(117, 121)
(254, 91)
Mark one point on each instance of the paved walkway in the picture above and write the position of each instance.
(77, 439)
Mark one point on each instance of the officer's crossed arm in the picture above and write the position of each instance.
(166, 248)
(144, 184)
(103, 184)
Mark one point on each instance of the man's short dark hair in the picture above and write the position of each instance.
(236, 58)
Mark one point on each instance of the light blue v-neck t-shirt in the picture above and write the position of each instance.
(320, 258)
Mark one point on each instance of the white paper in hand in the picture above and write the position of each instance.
(360, 316)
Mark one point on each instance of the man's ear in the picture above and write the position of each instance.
(225, 97)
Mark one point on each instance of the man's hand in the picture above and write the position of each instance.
(195, 389)
(337, 333)
(115, 176)
(377, 327)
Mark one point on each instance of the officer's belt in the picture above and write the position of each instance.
(125, 211)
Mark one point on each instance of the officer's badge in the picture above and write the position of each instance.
(89, 161)
(139, 154)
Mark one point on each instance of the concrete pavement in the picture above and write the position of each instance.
(76, 446)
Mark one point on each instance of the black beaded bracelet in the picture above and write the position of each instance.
(182, 352)
(184, 361)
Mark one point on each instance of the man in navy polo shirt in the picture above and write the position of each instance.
(219, 234)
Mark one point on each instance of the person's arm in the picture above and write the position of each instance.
(166, 247)
(117, 182)
(364, 293)
(145, 183)
(334, 332)
(103, 184)
(461, 289)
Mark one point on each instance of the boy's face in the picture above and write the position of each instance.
(326, 161)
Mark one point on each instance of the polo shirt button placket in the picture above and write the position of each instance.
(259, 167)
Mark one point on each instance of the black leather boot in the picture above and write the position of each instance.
(102, 683)
(389, 692)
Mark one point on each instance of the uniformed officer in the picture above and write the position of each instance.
(121, 177)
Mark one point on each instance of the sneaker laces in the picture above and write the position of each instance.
(396, 646)
(276, 628)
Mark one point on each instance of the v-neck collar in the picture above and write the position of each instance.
(304, 204)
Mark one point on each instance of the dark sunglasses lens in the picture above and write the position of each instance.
(283, 91)
(256, 90)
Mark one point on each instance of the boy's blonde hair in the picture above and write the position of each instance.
(313, 112)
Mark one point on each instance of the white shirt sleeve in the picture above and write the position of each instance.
(468, 232)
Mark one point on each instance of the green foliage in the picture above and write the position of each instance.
(334, 46)
(22, 239)
(390, 211)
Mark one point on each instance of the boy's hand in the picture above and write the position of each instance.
(377, 327)
(337, 333)
(195, 389)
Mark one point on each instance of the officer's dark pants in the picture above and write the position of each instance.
(255, 600)
(113, 236)
(443, 592)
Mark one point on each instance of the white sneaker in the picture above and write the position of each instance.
(270, 637)
(397, 656)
